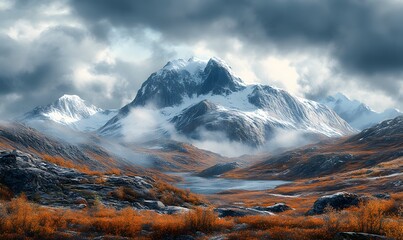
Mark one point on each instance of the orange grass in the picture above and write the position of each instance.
(69, 164)
(20, 219)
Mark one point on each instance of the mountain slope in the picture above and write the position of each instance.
(200, 98)
(95, 153)
(71, 111)
(357, 114)
(381, 143)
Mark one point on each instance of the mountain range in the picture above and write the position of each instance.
(198, 100)
(202, 98)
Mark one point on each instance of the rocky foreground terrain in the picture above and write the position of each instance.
(52, 185)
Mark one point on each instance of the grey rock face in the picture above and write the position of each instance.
(49, 184)
(218, 80)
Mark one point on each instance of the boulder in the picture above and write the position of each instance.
(276, 208)
(239, 212)
(155, 205)
(338, 201)
(385, 196)
(175, 210)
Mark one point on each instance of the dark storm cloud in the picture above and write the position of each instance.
(37, 71)
(365, 37)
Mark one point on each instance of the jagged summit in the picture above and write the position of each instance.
(180, 79)
(69, 97)
(192, 65)
(219, 79)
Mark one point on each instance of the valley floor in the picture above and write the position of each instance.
(22, 219)
(45, 196)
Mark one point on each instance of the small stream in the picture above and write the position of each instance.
(214, 185)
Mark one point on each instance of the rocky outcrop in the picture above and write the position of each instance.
(50, 184)
(338, 201)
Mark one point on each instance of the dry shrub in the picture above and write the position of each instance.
(286, 233)
(21, 218)
(393, 228)
(171, 195)
(125, 194)
(371, 215)
(113, 171)
(266, 222)
(199, 219)
(107, 221)
(127, 222)
(167, 226)
(374, 216)
(5, 193)
(337, 221)
(69, 164)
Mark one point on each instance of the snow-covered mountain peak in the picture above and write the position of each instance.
(180, 79)
(356, 113)
(219, 62)
(193, 66)
(341, 101)
(341, 96)
(68, 97)
(69, 110)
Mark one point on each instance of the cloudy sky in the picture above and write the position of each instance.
(103, 50)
